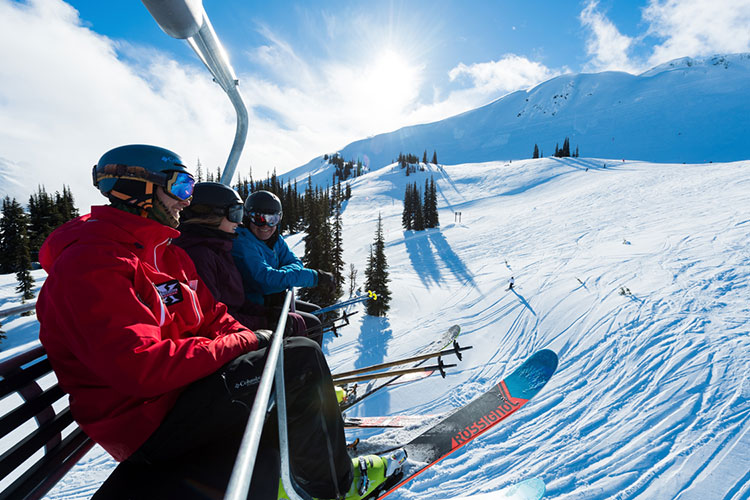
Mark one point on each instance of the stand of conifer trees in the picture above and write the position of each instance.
(419, 215)
(22, 233)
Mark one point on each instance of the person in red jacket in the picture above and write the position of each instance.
(158, 373)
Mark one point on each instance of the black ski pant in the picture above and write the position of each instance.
(197, 442)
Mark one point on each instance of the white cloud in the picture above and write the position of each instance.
(66, 98)
(607, 47)
(698, 27)
(683, 28)
(510, 73)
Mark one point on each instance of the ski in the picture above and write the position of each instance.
(530, 489)
(358, 392)
(353, 300)
(392, 421)
(483, 413)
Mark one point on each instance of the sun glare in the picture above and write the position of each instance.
(389, 84)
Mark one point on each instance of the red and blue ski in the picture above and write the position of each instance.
(479, 416)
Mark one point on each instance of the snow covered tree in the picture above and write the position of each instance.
(352, 279)
(376, 275)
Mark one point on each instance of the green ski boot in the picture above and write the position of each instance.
(372, 473)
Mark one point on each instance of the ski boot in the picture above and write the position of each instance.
(372, 474)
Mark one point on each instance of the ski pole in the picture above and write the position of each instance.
(395, 373)
(331, 326)
(457, 349)
(354, 300)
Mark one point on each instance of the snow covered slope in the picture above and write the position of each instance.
(635, 273)
(686, 110)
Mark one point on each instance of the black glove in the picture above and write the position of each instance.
(326, 279)
(264, 337)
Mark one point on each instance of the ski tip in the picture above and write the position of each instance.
(529, 378)
(546, 357)
(455, 330)
(529, 489)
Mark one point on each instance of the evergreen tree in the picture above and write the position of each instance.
(348, 191)
(430, 204)
(566, 148)
(14, 240)
(407, 215)
(198, 171)
(14, 245)
(376, 275)
(418, 222)
(43, 218)
(23, 275)
(338, 250)
(424, 157)
(66, 206)
(434, 157)
(319, 252)
(536, 151)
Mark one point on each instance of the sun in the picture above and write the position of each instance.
(390, 83)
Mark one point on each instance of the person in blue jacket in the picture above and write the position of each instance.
(267, 264)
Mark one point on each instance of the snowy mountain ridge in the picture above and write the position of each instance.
(686, 110)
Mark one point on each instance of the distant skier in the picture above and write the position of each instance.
(511, 282)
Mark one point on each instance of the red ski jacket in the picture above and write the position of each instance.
(127, 324)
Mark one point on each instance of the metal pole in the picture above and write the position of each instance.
(239, 483)
(186, 19)
(206, 44)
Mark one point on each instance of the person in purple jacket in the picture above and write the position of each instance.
(207, 232)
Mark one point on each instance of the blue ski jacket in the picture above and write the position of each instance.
(268, 270)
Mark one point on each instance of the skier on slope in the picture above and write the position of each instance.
(207, 231)
(267, 264)
(155, 367)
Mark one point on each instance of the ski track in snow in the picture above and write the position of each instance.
(636, 275)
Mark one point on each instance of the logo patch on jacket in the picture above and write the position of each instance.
(170, 292)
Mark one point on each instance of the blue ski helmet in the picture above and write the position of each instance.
(129, 173)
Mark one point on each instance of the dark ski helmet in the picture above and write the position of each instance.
(214, 198)
(262, 208)
(263, 202)
(128, 174)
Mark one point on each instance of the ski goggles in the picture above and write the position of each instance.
(179, 185)
(259, 219)
(234, 213)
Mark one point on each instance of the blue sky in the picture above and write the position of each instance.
(79, 77)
